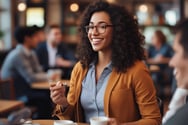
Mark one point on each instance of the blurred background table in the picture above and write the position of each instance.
(154, 68)
(7, 106)
(45, 85)
(41, 122)
(51, 122)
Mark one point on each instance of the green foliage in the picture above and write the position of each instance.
(1, 34)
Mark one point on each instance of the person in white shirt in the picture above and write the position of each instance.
(52, 53)
(178, 109)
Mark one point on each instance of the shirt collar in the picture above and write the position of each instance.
(49, 46)
(109, 65)
(26, 51)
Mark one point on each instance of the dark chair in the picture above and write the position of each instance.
(161, 106)
(7, 89)
(3, 55)
(7, 92)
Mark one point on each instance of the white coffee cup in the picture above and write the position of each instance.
(99, 120)
(64, 122)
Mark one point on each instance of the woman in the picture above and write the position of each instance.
(159, 54)
(110, 79)
(160, 51)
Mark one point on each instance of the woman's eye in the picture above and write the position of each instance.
(103, 26)
(91, 27)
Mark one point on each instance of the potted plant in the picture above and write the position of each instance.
(1, 34)
(1, 41)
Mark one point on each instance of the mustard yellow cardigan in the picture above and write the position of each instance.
(129, 97)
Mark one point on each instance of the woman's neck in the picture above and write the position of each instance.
(104, 58)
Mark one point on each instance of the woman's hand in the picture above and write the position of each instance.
(57, 94)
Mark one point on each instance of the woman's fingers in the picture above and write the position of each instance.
(60, 93)
(56, 97)
(57, 93)
(60, 89)
(55, 87)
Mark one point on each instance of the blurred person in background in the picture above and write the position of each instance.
(110, 79)
(178, 109)
(41, 34)
(53, 53)
(159, 54)
(22, 65)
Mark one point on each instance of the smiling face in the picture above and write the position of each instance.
(100, 41)
(180, 63)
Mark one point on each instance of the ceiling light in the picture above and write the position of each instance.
(21, 7)
(143, 8)
(74, 7)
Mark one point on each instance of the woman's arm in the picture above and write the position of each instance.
(145, 95)
(67, 106)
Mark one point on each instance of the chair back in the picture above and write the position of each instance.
(161, 106)
(7, 89)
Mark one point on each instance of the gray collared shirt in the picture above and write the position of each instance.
(92, 95)
(23, 62)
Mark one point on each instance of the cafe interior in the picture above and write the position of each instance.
(152, 15)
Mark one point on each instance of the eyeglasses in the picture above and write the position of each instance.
(101, 28)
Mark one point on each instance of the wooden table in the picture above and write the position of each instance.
(50, 122)
(154, 68)
(42, 122)
(7, 106)
(45, 85)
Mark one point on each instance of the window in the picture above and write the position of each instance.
(35, 16)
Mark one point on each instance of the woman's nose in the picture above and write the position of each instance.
(95, 31)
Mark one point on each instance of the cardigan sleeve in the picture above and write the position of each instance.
(72, 98)
(66, 115)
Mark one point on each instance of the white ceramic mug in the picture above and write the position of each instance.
(64, 122)
(99, 120)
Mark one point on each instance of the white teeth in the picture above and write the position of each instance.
(96, 40)
(175, 71)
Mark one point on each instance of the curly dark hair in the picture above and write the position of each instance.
(127, 41)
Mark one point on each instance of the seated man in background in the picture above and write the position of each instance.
(52, 53)
(178, 109)
(22, 65)
(159, 54)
